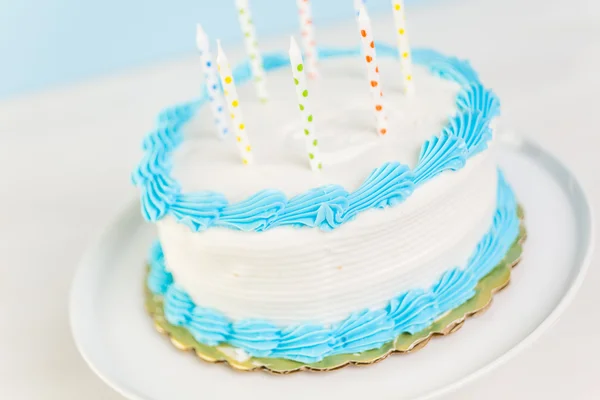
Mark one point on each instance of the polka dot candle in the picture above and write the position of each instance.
(233, 105)
(357, 5)
(403, 46)
(211, 80)
(369, 53)
(307, 32)
(251, 44)
(302, 93)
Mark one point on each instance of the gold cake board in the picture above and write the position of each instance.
(450, 322)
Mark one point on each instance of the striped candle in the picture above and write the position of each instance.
(211, 81)
(403, 46)
(311, 142)
(233, 105)
(256, 64)
(368, 50)
(307, 32)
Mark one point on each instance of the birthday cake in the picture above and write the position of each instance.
(325, 220)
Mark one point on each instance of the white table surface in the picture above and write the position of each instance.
(66, 156)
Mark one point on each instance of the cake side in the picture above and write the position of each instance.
(290, 276)
(409, 312)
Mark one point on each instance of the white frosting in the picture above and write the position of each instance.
(289, 275)
(345, 127)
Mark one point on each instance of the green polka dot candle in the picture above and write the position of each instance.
(251, 44)
(233, 105)
(306, 116)
(403, 46)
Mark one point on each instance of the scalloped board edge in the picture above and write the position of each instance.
(452, 321)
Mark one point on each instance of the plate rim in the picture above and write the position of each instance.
(507, 140)
(83, 266)
(513, 140)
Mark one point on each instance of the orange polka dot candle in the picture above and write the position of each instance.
(369, 54)
(403, 46)
(233, 105)
(307, 32)
(306, 116)
(251, 44)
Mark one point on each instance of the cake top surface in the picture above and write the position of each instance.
(350, 148)
(191, 175)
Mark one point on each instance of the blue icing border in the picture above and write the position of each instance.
(409, 312)
(327, 207)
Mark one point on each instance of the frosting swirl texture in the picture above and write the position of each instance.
(408, 312)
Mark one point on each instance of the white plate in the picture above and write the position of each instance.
(117, 339)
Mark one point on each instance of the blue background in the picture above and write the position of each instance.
(44, 43)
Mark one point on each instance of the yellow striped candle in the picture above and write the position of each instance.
(368, 47)
(310, 137)
(211, 80)
(403, 46)
(233, 105)
(256, 64)
(307, 32)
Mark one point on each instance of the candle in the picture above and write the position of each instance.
(233, 105)
(368, 51)
(403, 46)
(256, 65)
(211, 81)
(307, 32)
(357, 5)
(311, 141)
